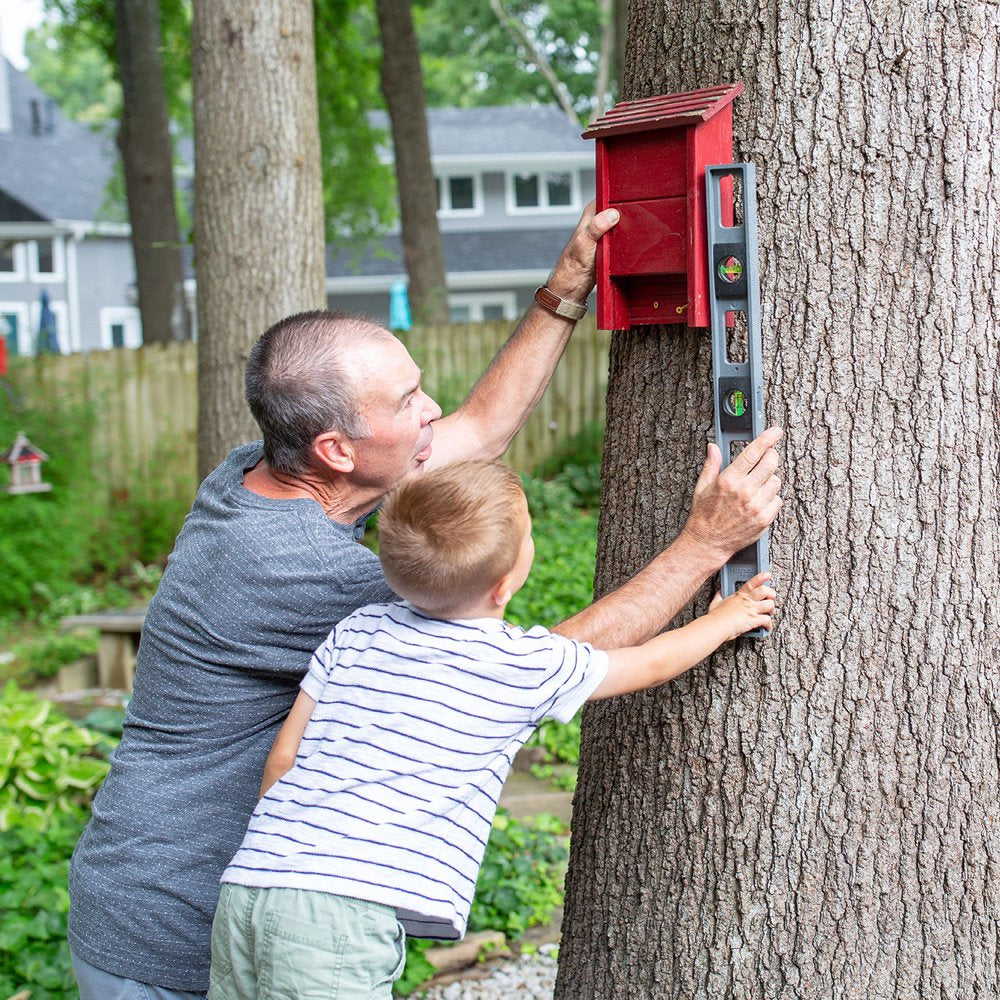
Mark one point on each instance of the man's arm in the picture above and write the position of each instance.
(728, 512)
(281, 759)
(504, 397)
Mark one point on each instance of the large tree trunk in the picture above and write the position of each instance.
(403, 89)
(147, 159)
(258, 196)
(815, 816)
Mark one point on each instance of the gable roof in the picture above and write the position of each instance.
(22, 450)
(53, 168)
(464, 253)
(516, 130)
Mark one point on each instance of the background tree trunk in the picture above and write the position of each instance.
(258, 196)
(403, 89)
(816, 816)
(147, 160)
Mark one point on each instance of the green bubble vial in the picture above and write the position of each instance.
(736, 403)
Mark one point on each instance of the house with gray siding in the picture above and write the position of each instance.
(511, 182)
(53, 176)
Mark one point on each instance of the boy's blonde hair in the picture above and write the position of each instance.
(449, 536)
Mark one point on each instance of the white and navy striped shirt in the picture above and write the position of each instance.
(396, 783)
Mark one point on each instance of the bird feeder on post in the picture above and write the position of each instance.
(651, 159)
(25, 463)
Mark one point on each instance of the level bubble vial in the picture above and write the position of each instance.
(735, 403)
(731, 270)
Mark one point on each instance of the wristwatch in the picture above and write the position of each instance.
(548, 299)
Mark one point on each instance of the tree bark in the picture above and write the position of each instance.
(258, 196)
(403, 89)
(815, 816)
(620, 14)
(147, 159)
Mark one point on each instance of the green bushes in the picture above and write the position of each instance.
(51, 542)
(49, 768)
(520, 882)
(49, 772)
(34, 869)
(561, 581)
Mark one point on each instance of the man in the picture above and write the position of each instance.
(268, 561)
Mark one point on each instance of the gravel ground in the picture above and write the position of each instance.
(530, 977)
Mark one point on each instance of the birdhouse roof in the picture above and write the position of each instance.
(22, 450)
(665, 111)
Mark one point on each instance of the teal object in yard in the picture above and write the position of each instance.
(399, 307)
(48, 337)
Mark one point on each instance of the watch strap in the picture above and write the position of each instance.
(548, 299)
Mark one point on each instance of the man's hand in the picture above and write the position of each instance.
(732, 509)
(574, 275)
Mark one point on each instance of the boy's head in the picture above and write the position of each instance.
(456, 536)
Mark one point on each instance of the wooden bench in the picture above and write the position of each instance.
(118, 642)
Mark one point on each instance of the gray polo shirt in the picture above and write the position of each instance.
(252, 587)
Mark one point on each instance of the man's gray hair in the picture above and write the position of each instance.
(299, 383)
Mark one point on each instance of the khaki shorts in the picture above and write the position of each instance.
(297, 944)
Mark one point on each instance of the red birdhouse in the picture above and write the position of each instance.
(25, 461)
(651, 158)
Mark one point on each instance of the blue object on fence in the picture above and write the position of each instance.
(48, 336)
(399, 307)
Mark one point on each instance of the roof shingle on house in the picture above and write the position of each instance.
(501, 131)
(52, 168)
(464, 252)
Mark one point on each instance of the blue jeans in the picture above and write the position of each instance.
(96, 984)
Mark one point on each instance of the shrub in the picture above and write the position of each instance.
(34, 870)
(561, 581)
(49, 768)
(576, 464)
(49, 772)
(521, 881)
(45, 537)
(50, 542)
(561, 741)
(43, 657)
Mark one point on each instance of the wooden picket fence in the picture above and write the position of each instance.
(145, 402)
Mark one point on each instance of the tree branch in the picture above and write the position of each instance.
(516, 28)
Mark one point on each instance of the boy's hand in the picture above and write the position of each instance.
(749, 608)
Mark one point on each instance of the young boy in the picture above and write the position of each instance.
(381, 788)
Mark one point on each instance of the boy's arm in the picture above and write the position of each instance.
(286, 745)
(666, 656)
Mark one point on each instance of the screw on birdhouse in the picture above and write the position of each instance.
(25, 463)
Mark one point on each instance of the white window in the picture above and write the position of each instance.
(12, 260)
(45, 260)
(543, 191)
(120, 327)
(60, 314)
(459, 194)
(480, 307)
(14, 328)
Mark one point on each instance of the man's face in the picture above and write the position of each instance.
(398, 413)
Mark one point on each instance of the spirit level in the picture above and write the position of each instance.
(734, 291)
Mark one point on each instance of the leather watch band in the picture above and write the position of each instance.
(548, 299)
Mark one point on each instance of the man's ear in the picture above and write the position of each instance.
(333, 452)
